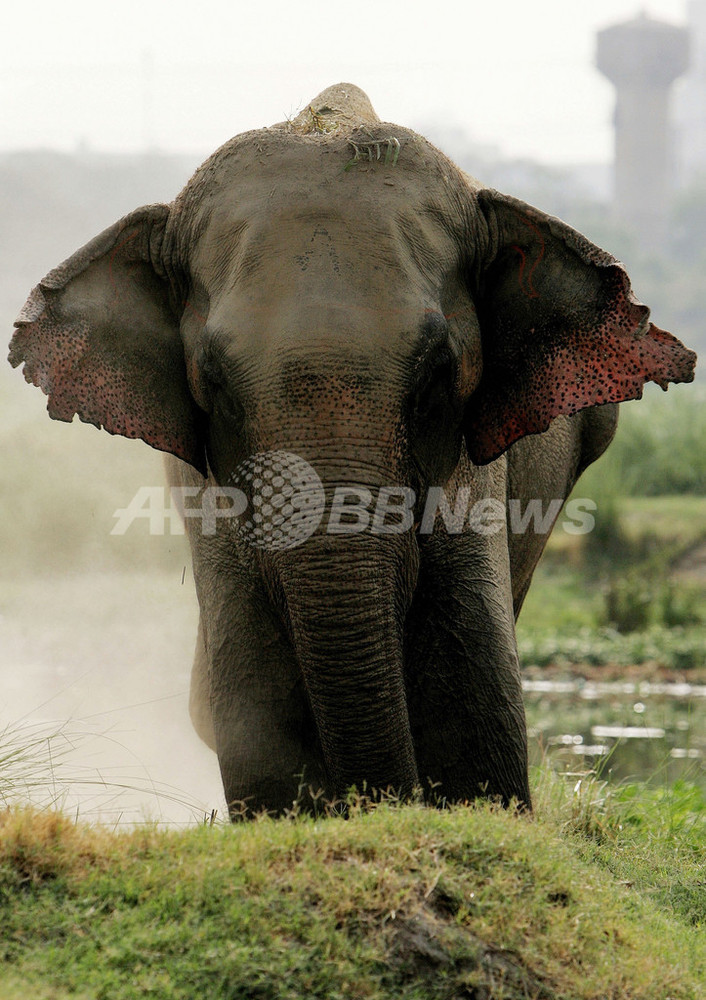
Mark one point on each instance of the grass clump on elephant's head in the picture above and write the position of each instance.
(320, 122)
(339, 107)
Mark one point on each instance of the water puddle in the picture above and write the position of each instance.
(627, 730)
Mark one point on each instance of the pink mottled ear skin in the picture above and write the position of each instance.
(99, 337)
(561, 330)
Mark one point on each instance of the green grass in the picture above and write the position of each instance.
(649, 838)
(565, 618)
(666, 523)
(558, 602)
(674, 520)
(599, 896)
(682, 649)
(658, 448)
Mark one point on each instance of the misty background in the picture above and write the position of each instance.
(106, 112)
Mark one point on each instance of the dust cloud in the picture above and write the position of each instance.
(96, 631)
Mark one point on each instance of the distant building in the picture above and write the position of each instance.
(643, 58)
(691, 100)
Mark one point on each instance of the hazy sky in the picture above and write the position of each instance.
(516, 74)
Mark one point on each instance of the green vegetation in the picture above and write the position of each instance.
(633, 590)
(673, 649)
(625, 602)
(601, 895)
(658, 449)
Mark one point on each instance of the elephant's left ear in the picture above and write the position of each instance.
(561, 329)
(100, 336)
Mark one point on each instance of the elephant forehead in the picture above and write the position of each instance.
(360, 254)
(274, 190)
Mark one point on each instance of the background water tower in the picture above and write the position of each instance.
(691, 101)
(643, 58)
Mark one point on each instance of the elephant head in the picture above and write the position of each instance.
(334, 287)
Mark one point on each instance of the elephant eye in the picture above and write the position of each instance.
(436, 410)
(221, 394)
(228, 406)
(434, 397)
(433, 400)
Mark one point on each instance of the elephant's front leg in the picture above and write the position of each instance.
(265, 736)
(463, 681)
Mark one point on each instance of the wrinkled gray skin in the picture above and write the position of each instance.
(335, 287)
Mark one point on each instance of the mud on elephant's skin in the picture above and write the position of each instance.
(334, 287)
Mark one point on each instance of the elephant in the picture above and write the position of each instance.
(333, 317)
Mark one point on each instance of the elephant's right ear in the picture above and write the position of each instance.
(560, 327)
(100, 337)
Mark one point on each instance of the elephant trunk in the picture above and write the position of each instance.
(346, 601)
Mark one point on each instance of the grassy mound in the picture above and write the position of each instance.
(600, 895)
